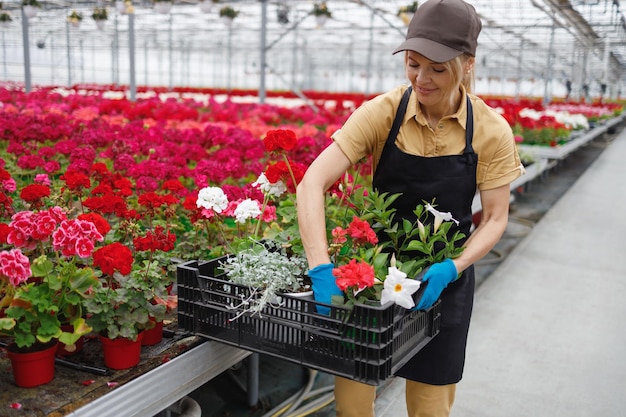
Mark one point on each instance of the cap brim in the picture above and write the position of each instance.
(434, 51)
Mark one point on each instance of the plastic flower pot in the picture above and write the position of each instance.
(121, 353)
(34, 368)
(154, 335)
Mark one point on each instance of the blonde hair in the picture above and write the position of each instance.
(457, 68)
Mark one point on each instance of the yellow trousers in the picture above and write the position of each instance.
(355, 399)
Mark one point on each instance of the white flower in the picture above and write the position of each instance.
(440, 217)
(273, 189)
(247, 209)
(398, 288)
(212, 198)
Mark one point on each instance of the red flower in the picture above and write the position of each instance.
(361, 232)
(33, 193)
(173, 186)
(110, 204)
(281, 171)
(114, 257)
(354, 274)
(339, 235)
(76, 181)
(100, 222)
(4, 232)
(4, 174)
(280, 139)
(154, 241)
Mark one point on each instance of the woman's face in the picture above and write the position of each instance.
(433, 82)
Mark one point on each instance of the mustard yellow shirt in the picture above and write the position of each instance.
(366, 131)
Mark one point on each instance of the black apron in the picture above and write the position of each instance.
(451, 181)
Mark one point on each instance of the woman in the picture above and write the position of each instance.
(447, 144)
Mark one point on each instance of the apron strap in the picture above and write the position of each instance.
(469, 129)
(469, 133)
(395, 128)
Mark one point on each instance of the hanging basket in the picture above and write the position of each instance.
(30, 11)
(120, 6)
(206, 6)
(228, 21)
(163, 7)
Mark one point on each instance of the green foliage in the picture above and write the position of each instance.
(56, 296)
(321, 9)
(33, 3)
(228, 12)
(414, 245)
(75, 16)
(100, 13)
(122, 306)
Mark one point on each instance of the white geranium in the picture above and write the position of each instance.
(272, 189)
(212, 198)
(247, 209)
(399, 289)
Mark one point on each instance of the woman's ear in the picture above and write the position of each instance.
(469, 65)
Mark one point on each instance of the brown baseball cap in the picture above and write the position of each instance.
(442, 29)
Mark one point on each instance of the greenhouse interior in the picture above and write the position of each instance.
(151, 151)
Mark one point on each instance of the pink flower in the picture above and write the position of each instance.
(76, 237)
(339, 235)
(42, 179)
(15, 266)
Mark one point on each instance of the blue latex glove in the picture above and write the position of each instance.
(324, 286)
(438, 276)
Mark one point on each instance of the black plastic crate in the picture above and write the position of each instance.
(365, 343)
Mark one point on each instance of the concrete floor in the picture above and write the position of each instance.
(545, 339)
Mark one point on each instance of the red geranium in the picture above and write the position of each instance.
(154, 241)
(361, 232)
(34, 193)
(280, 139)
(113, 257)
(355, 275)
(100, 222)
